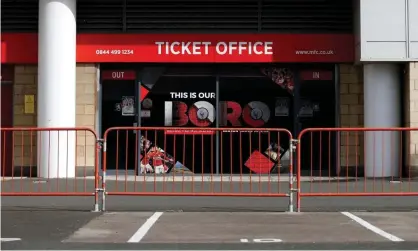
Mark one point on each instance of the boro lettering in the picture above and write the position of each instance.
(203, 114)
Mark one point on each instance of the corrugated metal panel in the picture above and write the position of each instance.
(192, 15)
(100, 15)
(310, 16)
(143, 16)
(19, 15)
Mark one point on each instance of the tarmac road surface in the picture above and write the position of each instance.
(208, 230)
(204, 223)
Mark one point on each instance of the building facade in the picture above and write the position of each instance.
(75, 59)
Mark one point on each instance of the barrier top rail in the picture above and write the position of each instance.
(45, 129)
(354, 129)
(203, 129)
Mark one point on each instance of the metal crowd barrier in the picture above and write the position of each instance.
(157, 161)
(49, 162)
(234, 162)
(351, 162)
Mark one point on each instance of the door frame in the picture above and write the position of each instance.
(99, 98)
(8, 82)
(297, 101)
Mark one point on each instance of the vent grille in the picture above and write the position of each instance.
(19, 15)
(100, 16)
(188, 16)
(191, 15)
(308, 16)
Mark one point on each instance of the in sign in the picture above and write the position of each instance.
(316, 75)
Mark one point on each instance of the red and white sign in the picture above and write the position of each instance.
(118, 75)
(313, 75)
(188, 132)
(21, 48)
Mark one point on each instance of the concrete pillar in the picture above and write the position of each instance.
(382, 108)
(57, 87)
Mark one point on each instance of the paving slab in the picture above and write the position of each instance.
(257, 227)
(403, 225)
(110, 228)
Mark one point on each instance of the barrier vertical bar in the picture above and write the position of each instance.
(292, 148)
(96, 177)
(104, 171)
(217, 123)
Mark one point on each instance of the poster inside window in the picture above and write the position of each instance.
(178, 101)
(263, 101)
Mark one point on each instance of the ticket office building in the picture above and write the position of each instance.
(319, 74)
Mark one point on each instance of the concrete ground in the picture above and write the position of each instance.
(209, 230)
(256, 187)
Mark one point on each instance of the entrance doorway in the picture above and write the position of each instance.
(172, 95)
(6, 89)
(317, 102)
(119, 101)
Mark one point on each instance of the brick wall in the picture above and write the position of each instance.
(351, 115)
(25, 143)
(411, 115)
(86, 113)
(26, 78)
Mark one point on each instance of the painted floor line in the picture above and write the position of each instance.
(10, 239)
(143, 230)
(372, 228)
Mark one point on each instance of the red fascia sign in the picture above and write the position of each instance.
(22, 48)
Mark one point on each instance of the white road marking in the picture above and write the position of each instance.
(10, 239)
(372, 228)
(268, 240)
(143, 230)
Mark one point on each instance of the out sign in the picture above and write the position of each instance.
(119, 75)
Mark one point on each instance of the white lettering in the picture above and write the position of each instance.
(206, 95)
(242, 47)
(185, 48)
(232, 47)
(117, 74)
(206, 45)
(159, 45)
(315, 75)
(221, 48)
(172, 48)
(255, 48)
(268, 48)
(196, 48)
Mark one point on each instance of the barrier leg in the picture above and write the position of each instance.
(103, 192)
(96, 201)
(291, 193)
(292, 148)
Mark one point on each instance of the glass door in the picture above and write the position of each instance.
(118, 109)
(317, 102)
(254, 102)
